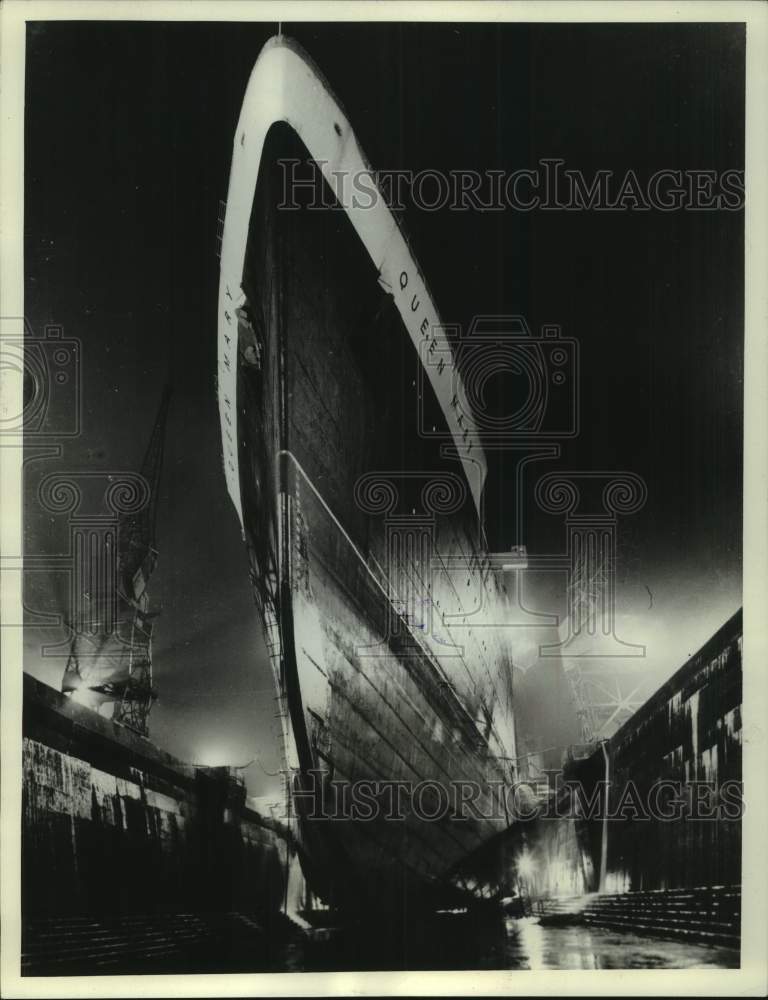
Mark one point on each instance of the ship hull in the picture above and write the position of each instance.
(382, 609)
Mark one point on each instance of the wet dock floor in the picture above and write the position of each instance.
(460, 943)
(531, 946)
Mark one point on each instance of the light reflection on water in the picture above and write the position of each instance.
(531, 946)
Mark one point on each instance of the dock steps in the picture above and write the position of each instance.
(707, 914)
(144, 943)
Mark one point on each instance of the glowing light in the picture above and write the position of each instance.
(516, 558)
(526, 866)
(213, 755)
(85, 697)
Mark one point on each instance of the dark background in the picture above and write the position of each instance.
(128, 140)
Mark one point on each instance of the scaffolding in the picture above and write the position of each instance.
(110, 657)
(605, 695)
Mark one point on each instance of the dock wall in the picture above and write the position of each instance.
(112, 825)
(674, 778)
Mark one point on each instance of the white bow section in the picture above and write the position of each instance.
(285, 86)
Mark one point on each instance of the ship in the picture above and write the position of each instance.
(357, 476)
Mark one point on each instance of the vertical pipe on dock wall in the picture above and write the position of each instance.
(604, 839)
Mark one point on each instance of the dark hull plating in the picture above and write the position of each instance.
(367, 560)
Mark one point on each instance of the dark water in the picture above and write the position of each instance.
(462, 942)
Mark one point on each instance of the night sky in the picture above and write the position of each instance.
(128, 140)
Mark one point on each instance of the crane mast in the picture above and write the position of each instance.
(111, 662)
